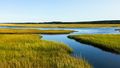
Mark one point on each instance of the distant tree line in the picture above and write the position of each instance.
(88, 22)
(58, 22)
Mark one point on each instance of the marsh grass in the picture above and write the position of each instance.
(33, 31)
(29, 51)
(62, 25)
(108, 42)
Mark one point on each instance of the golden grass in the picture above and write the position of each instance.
(29, 51)
(62, 25)
(109, 42)
(33, 31)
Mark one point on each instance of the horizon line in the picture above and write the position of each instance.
(56, 21)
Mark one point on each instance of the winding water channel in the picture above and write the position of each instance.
(98, 58)
(95, 56)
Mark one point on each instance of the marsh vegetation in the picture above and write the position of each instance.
(108, 42)
(29, 51)
(33, 31)
(62, 25)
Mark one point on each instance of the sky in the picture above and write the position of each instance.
(58, 10)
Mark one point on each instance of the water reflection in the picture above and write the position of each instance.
(97, 57)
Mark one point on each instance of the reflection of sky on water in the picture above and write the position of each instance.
(97, 57)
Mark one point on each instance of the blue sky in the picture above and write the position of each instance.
(58, 10)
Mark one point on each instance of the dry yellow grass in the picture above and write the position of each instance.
(63, 25)
(33, 31)
(29, 51)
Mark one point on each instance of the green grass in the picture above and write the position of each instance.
(62, 25)
(33, 31)
(108, 42)
(29, 51)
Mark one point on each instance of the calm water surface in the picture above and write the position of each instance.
(95, 56)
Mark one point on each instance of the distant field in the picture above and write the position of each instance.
(33, 31)
(29, 51)
(63, 25)
(109, 42)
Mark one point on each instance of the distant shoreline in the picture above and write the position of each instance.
(59, 25)
(60, 22)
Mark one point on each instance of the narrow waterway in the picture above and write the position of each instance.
(95, 56)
